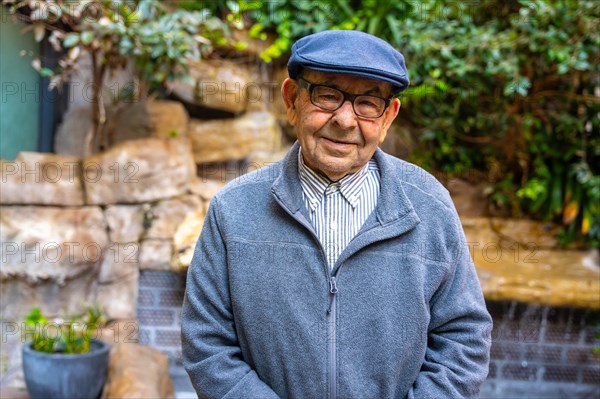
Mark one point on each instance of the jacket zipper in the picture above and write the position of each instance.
(332, 337)
(331, 311)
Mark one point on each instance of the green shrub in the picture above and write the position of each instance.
(505, 88)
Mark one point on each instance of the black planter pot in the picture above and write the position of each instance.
(60, 376)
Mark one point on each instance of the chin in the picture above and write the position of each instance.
(336, 172)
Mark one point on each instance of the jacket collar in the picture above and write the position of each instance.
(286, 186)
(393, 204)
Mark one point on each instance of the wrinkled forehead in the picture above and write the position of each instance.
(349, 83)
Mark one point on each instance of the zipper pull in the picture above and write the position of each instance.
(332, 290)
(332, 285)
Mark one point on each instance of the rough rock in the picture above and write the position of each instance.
(35, 178)
(543, 235)
(13, 393)
(119, 261)
(514, 263)
(222, 171)
(214, 84)
(275, 100)
(126, 222)
(167, 215)
(555, 278)
(169, 118)
(139, 171)
(232, 139)
(119, 331)
(206, 188)
(265, 95)
(11, 363)
(399, 141)
(184, 240)
(131, 122)
(51, 243)
(51, 258)
(259, 160)
(137, 371)
(70, 134)
(118, 299)
(507, 232)
(20, 296)
(468, 199)
(118, 281)
(155, 254)
(277, 106)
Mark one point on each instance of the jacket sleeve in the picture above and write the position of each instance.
(211, 352)
(457, 355)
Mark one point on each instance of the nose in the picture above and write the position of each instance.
(344, 117)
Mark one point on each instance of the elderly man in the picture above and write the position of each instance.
(341, 271)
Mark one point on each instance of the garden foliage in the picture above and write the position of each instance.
(507, 91)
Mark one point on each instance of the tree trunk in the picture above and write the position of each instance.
(95, 136)
(111, 125)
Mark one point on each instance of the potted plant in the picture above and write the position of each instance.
(63, 360)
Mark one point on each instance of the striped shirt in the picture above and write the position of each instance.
(338, 210)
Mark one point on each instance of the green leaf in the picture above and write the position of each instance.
(394, 28)
(71, 40)
(556, 197)
(435, 73)
(87, 37)
(373, 25)
(35, 317)
(255, 30)
(46, 72)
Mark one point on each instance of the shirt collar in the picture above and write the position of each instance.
(315, 186)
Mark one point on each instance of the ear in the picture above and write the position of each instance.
(289, 92)
(389, 116)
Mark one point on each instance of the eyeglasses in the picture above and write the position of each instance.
(330, 99)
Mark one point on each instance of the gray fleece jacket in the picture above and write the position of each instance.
(400, 315)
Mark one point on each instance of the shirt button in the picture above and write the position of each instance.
(333, 188)
(333, 225)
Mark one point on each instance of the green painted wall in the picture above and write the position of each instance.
(19, 89)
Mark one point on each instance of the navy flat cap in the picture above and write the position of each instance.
(350, 52)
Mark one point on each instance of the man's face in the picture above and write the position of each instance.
(337, 143)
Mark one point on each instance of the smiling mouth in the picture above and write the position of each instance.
(338, 141)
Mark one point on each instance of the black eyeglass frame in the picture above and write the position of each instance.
(347, 96)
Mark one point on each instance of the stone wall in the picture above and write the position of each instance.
(77, 230)
(100, 229)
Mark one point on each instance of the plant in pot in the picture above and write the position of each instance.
(63, 360)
